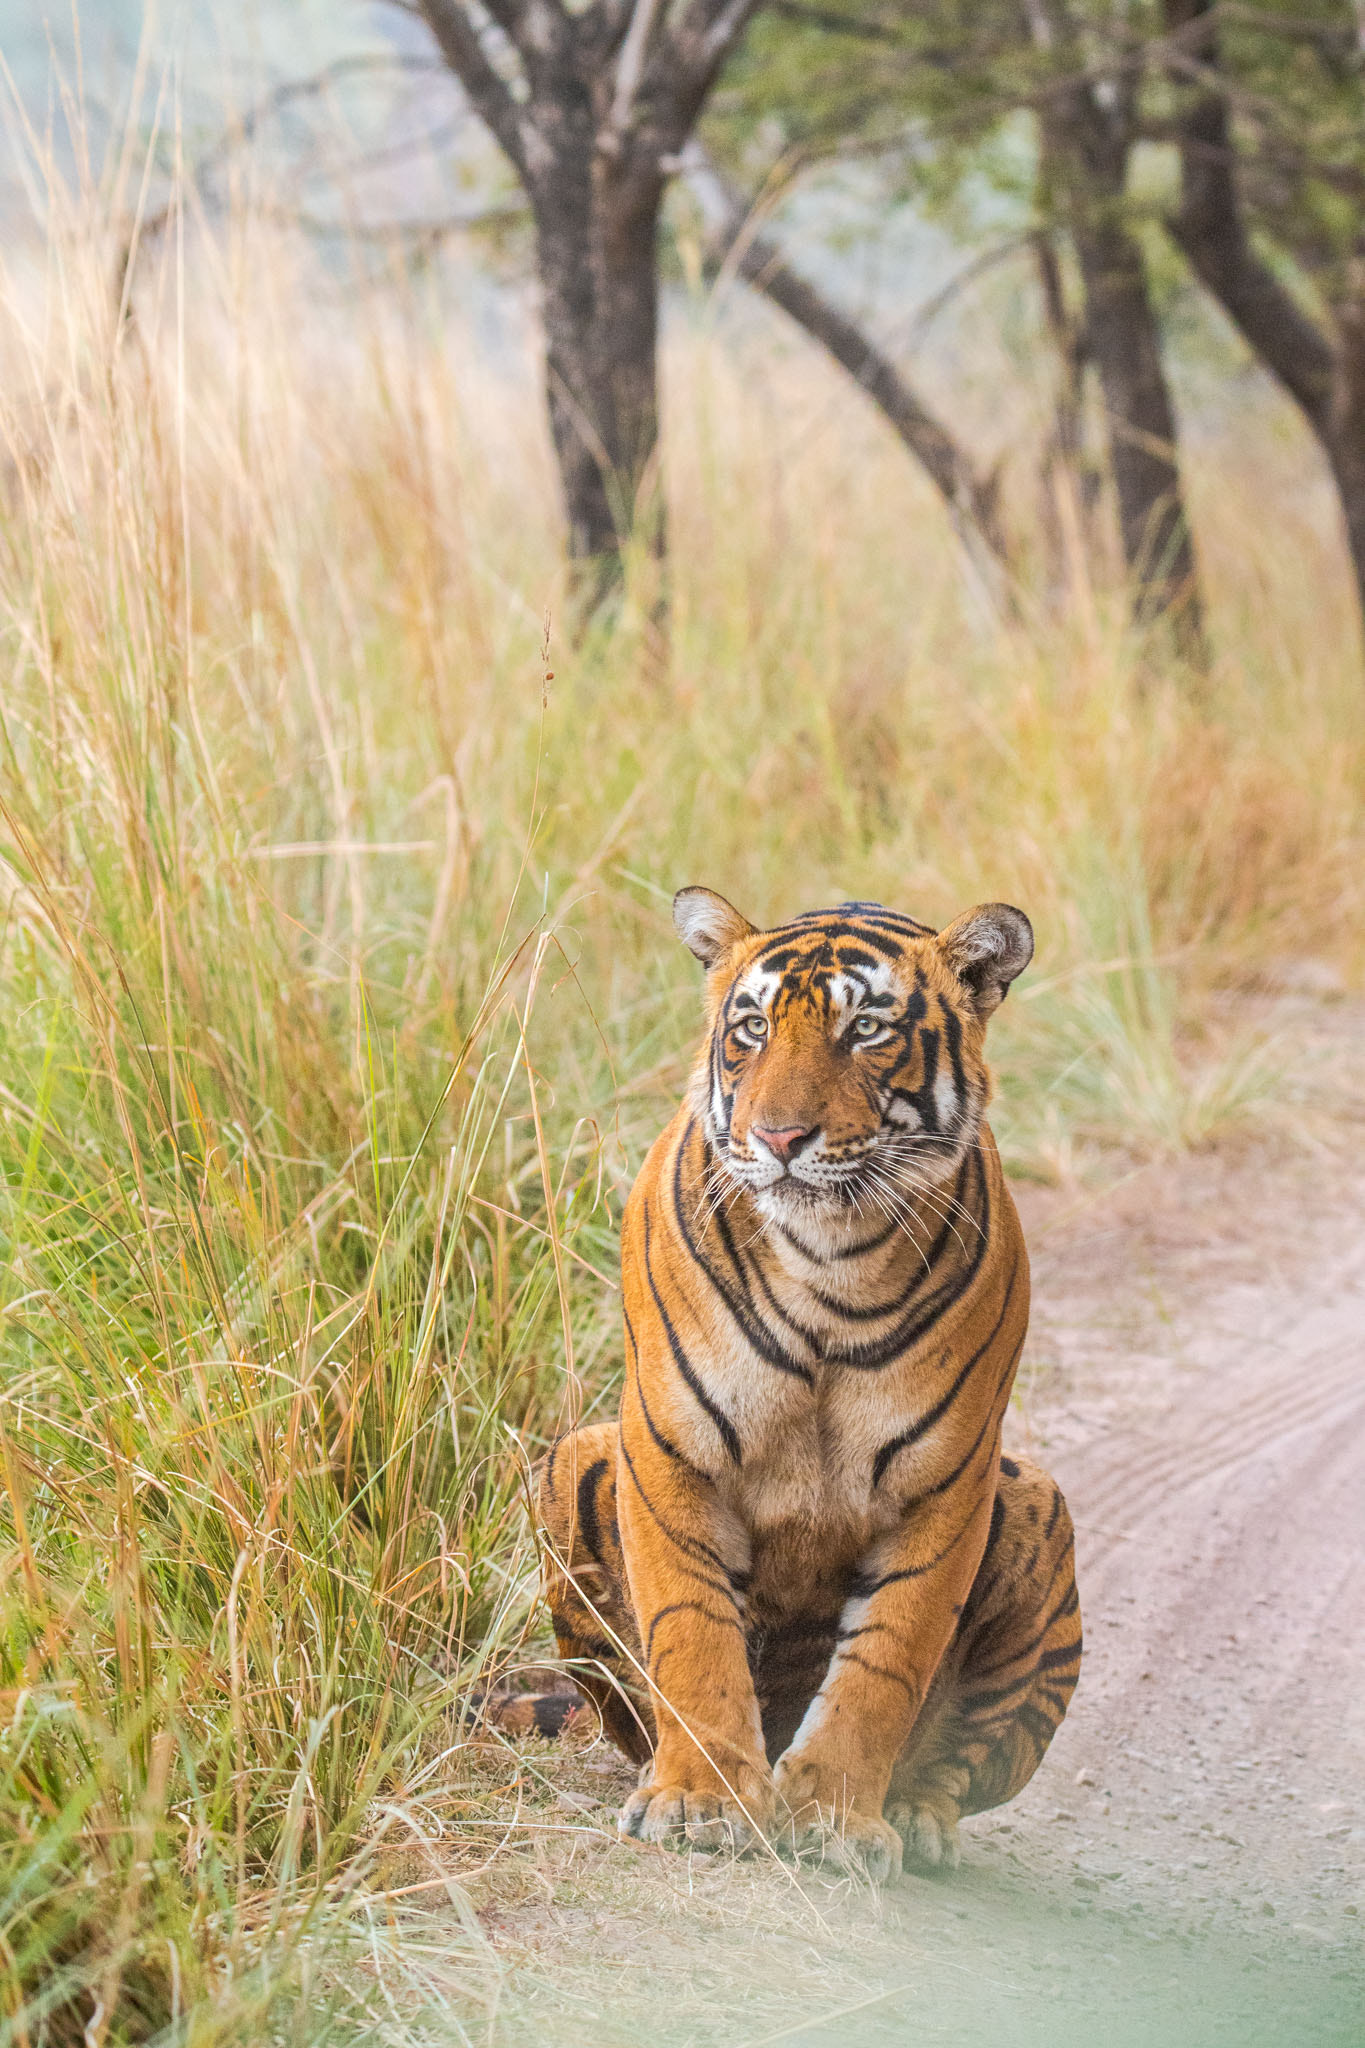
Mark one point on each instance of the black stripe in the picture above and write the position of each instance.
(880, 1671)
(661, 1441)
(869, 1312)
(924, 1311)
(997, 1524)
(994, 1417)
(1059, 1701)
(852, 1251)
(974, 1704)
(1039, 1725)
(952, 1033)
(862, 1588)
(756, 1334)
(588, 1527)
(923, 1097)
(690, 1546)
(726, 1430)
(926, 1422)
(1063, 1607)
(687, 1607)
(923, 1315)
(854, 914)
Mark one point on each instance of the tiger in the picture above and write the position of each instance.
(804, 1588)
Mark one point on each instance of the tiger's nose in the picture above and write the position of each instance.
(786, 1143)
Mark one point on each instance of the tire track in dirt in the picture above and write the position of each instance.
(1137, 1473)
(1211, 1775)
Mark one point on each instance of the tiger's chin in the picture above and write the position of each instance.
(782, 1196)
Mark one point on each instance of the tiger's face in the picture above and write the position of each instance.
(845, 1065)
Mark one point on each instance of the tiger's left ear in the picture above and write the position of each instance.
(987, 948)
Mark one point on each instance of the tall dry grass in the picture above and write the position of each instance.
(339, 1000)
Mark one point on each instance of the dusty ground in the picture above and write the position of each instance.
(1189, 1864)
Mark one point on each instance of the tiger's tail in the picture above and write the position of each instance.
(550, 1714)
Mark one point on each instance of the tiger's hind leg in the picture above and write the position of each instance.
(1007, 1677)
(585, 1584)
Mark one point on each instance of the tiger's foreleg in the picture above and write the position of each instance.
(1007, 1679)
(585, 1584)
(895, 1626)
(709, 1783)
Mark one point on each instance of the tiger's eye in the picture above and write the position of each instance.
(866, 1027)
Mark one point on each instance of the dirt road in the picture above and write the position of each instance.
(1188, 1867)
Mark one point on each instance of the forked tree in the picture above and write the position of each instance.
(592, 106)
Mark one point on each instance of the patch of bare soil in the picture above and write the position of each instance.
(1188, 1866)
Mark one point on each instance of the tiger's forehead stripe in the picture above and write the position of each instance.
(783, 949)
(864, 913)
(833, 942)
(837, 970)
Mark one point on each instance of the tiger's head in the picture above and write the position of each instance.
(845, 1061)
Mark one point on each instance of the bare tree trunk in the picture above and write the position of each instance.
(1088, 140)
(597, 221)
(1347, 450)
(628, 202)
(576, 388)
(1070, 483)
(597, 260)
(1323, 374)
(1072, 349)
(603, 100)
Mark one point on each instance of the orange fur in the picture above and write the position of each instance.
(796, 1577)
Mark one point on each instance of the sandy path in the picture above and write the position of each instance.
(1206, 1797)
(1223, 1561)
(1189, 1864)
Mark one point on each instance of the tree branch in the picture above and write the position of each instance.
(507, 14)
(703, 37)
(1211, 231)
(735, 240)
(459, 43)
(630, 66)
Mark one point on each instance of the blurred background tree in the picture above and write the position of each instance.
(1119, 156)
(1048, 102)
(1267, 114)
(1040, 101)
(592, 107)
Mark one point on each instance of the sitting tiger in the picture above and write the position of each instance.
(807, 1593)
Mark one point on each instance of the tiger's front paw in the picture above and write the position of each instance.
(701, 1815)
(822, 1819)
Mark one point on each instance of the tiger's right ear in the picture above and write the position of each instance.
(707, 925)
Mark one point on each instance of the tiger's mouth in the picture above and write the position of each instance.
(886, 1175)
